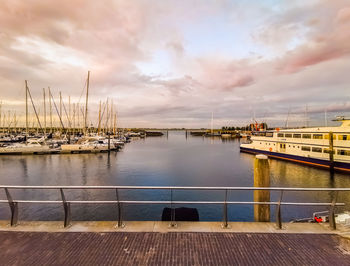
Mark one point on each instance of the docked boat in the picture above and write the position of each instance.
(322, 146)
(33, 146)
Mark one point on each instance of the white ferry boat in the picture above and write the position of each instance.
(321, 146)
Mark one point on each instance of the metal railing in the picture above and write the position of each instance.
(67, 203)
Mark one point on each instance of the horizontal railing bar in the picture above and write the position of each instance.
(174, 202)
(177, 188)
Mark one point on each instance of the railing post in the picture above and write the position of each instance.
(14, 208)
(278, 212)
(172, 211)
(120, 223)
(331, 212)
(66, 207)
(225, 224)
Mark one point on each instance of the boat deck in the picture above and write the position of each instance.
(171, 248)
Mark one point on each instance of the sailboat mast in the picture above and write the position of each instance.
(69, 114)
(78, 111)
(74, 108)
(50, 111)
(86, 103)
(99, 120)
(115, 123)
(44, 111)
(26, 109)
(111, 122)
(0, 113)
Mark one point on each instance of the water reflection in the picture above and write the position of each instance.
(160, 161)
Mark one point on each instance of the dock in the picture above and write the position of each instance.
(154, 243)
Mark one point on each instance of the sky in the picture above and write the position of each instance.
(168, 63)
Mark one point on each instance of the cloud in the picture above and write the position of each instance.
(260, 57)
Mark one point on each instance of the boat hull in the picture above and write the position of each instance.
(338, 166)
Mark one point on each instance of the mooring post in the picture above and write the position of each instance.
(261, 179)
(331, 152)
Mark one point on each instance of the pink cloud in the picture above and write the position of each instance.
(322, 46)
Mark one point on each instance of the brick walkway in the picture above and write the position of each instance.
(126, 248)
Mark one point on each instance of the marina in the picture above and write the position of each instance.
(174, 132)
(163, 161)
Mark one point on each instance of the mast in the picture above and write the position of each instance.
(86, 103)
(60, 105)
(0, 112)
(99, 120)
(107, 116)
(69, 114)
(36, 113)
(78, 108)
(44, 111)
(50, 111)
(115, 123)
(111, 122)
(73, 118)
(26, 109)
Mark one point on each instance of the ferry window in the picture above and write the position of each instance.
(280, 135)
(306, 136)
(293, 146)
(343, 137)
(269, 134)
(305, 148)
(297, 136)
(316, 149)
(317, 136)
(288, 135)
(344, 152)
(288, 145)
(326, 150)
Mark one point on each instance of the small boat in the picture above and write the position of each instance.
(33, 146)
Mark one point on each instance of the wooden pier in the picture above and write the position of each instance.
(173, 248)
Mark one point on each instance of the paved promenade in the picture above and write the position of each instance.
(171, 246)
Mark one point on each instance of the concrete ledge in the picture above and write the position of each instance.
(164, 227)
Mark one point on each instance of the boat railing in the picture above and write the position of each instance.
(120, 203)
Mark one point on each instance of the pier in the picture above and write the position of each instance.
(155, 243)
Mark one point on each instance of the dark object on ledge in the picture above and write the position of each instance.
(181, 214)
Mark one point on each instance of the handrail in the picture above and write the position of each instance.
(177, 188)
(67, 203)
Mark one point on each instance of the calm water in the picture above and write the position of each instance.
(159, 161)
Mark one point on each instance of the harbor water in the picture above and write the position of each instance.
(173, 160)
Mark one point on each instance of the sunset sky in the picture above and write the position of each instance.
(172, 63)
